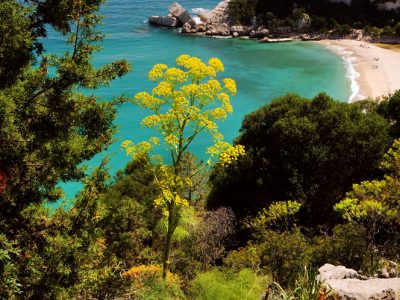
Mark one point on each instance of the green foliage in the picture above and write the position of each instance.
(65, 256)
(278, 216)
(283, 254)
(306, 287)
(226, 284)
(311, 151)
(242, 11)
(16, 40)
(375, 204)
(244, 258)
(347, 246)
(390, 109)
(130, 218)
(48, 128)
(9, 283)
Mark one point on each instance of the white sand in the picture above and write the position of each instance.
(377, 70)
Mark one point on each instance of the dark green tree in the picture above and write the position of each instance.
(390, 109)
(310, 151)
(47, 125)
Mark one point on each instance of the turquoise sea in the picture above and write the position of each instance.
(261, 71)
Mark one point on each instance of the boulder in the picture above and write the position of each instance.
(239, 30)
(260, 32)
(371, 289)
(166, 21)
(218, 15)
(347, 284)
(328, 271)
(187, 28)
(180, 13)
(218, 29)
(383, 273)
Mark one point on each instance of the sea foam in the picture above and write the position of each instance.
(349, 62)
(199, 10)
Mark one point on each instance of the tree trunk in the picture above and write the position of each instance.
(168, 242)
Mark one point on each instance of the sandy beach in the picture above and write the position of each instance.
(374, 71)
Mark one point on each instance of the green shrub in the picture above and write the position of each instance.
(284, 254)
(242, 11)
(244, 258)
(346, 247)
(227, 284)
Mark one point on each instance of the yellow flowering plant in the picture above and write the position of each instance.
(186, 101)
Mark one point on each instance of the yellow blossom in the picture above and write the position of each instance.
(157, 72)
(230, 85)
(216, 64)
(175, 76)
(163, 89)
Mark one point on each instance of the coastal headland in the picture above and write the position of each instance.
(371, 68)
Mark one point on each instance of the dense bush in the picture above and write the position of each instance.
(310, 151)
(283, 254)
(347, 246)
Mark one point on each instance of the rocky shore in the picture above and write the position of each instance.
(218, 22)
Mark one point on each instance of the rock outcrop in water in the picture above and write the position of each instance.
(164, 21)
(347, 284)
(177, 17)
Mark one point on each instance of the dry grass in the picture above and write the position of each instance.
(395, 47)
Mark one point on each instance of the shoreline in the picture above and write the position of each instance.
(373, 71)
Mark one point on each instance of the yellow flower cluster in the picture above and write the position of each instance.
(175, 76)
(231, 155)
(188, 62)
(219, 146)
(199, 70)
(216, 64)
(218, 114)
(189, 89)
(226, 104)
(140, 150)
(214, 85)
(180, 104)
(145, 100)
(163, 89)
(157, 72)
(204, 121)
(151, 121)
(171, 141)
(230, 85)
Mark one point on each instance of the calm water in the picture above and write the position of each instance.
(262, 71)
